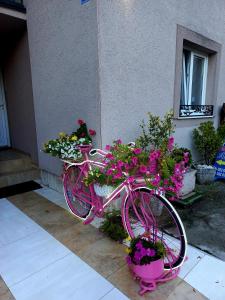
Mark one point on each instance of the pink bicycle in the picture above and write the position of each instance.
(143, 213)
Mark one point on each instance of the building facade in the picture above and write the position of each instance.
(108, 62)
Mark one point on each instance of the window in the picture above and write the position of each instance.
(196, 74)
(194, 78)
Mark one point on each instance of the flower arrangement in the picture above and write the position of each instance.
(67, 146)
(142, 251)
(159, 167)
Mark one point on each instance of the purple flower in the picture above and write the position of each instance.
(139, 245)
(128, 259)
(137, 257)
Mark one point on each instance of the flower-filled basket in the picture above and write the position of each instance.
(146, 261)
(71, 147)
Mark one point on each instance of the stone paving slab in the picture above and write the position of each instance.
(104, 255)
(5, 293)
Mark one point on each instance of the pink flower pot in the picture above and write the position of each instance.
(150, 271)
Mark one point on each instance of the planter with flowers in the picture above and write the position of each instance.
(189, 179)
(70, 147)
(145, 258)
(208, 141)
(146, 261)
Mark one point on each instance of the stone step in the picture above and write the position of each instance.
(14, 161)
(15, 165)
(11, 178)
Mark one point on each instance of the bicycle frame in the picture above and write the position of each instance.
(128, 189)
(98, 206)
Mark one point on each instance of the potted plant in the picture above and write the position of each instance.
(189, 178)
(146, 258)
(103, 183)
(70, 146)
(207, 140)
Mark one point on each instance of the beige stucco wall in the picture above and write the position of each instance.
(137, 51)
(19, 97)
(64, 64)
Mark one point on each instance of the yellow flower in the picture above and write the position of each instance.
(74, 138)
(128, 239)
(62, 134)
(128, 250)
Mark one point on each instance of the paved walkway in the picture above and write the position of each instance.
(47, 254)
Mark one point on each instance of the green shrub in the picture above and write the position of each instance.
(112, 226)
(156, 133)
(208, 140)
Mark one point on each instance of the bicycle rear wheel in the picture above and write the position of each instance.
(153, 216)
(77, 195)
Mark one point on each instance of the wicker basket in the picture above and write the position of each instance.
(103, 190)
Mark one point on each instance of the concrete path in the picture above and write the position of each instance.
(46, 253)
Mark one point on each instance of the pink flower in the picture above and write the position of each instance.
(127, 167)
(131, 179)
(143, 169)
(80, 122)
(154, 155)
(119, 141)
(107, 147)
(118, 176)
(170, 143)
(109, 172)
(109, 156)
(120, 164)
(92, 132)
(134, 160)
(137, 151)
(156, 180)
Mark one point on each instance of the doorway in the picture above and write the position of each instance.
(4, 128)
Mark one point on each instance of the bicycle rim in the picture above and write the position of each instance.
(153, 216)
(77, 195)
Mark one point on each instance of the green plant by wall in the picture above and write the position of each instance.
(208, 140)
(156, 133)
(112, 226)
(221, 132)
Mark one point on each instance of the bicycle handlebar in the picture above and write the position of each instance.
(100, 152)
(97, 151)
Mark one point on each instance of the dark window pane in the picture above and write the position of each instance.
(197, 80)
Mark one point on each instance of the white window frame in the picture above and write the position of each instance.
(204, 83)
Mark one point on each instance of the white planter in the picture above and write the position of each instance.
(188, 182)
(205, 174)
(103, 190)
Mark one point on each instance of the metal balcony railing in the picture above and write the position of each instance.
(188, 111)
(13, 4)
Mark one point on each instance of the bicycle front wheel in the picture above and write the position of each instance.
(77, 195)
(153, 216)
